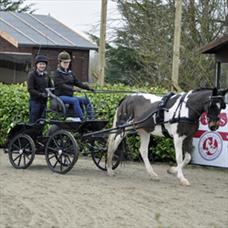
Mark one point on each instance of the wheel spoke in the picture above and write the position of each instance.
(53, 149)
(27, 146)
(100, 158)
(27, 155)
(15, 151)
(67, 160)
(17, 147)
(61, 163)
(19, 142)
(49, 158)
(69, 148)
(19, 162)
(55, 164)
(56, 143)
(24, 159)
(16, 157)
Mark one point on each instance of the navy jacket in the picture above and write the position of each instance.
(65, 81)
(37, 84)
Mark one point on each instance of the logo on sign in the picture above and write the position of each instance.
(222, 119)
(210, 146)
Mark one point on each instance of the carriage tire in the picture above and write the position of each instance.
(99, 150)
(61, 152)
(21, 151)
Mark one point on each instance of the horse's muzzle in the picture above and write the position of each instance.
(213, 125)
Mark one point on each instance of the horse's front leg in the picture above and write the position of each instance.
(178, 143)
(144, 143)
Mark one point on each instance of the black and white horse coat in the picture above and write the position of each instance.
(181, 121)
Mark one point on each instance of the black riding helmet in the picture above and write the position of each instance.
(41, 59)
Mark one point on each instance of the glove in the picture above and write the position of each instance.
(43, 95)
(76, 90)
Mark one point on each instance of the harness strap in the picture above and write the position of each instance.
(179, 118)
(161, 108)
(179, 107)
(165, 132)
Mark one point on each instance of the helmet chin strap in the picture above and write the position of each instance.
(40, 72)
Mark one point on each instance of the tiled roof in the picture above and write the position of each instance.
(22, 29)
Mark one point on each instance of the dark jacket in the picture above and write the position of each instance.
(65, 81)
(37, 84)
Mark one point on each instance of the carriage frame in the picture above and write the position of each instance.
(61, 144)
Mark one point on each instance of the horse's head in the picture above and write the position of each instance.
(214, 105)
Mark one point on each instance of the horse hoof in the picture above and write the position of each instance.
(110, 173)
(185, 182)
(172, 170)
(155, 178)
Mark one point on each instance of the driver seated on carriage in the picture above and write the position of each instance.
(65, 82)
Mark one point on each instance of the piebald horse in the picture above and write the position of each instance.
(180, 120)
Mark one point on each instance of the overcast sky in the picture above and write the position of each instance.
(80, 15)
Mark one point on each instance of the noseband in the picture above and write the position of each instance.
(213, 100)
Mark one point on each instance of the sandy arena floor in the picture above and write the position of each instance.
(87, 198)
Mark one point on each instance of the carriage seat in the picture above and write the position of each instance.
(58, 106)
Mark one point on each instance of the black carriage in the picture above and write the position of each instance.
(62, 142)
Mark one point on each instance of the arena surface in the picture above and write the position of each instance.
(87, 198)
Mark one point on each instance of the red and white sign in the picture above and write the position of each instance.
(211, 148)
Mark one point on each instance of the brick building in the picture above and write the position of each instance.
(23, 36)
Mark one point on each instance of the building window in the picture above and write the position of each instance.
(14, 67)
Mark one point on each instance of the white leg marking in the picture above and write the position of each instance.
(144, 142)
(178, 142)
(173, 169)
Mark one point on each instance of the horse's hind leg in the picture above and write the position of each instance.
(113, 143)
(144, 142)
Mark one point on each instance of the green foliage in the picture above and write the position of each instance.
(142, 50)
(14, 108)
(15, 6)
(164, 150)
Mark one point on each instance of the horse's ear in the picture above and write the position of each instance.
(214, 92)
(222, 92)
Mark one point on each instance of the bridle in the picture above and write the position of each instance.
(213, 100)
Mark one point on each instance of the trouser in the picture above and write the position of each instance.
(37, 110)
(78, 103)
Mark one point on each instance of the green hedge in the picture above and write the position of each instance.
(14, 108)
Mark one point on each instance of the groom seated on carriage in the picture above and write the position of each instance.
(65, 81)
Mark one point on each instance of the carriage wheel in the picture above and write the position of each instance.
(21, 151)
(61, 151)
(98, 148)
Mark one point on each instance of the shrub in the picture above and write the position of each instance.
(14, 108)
